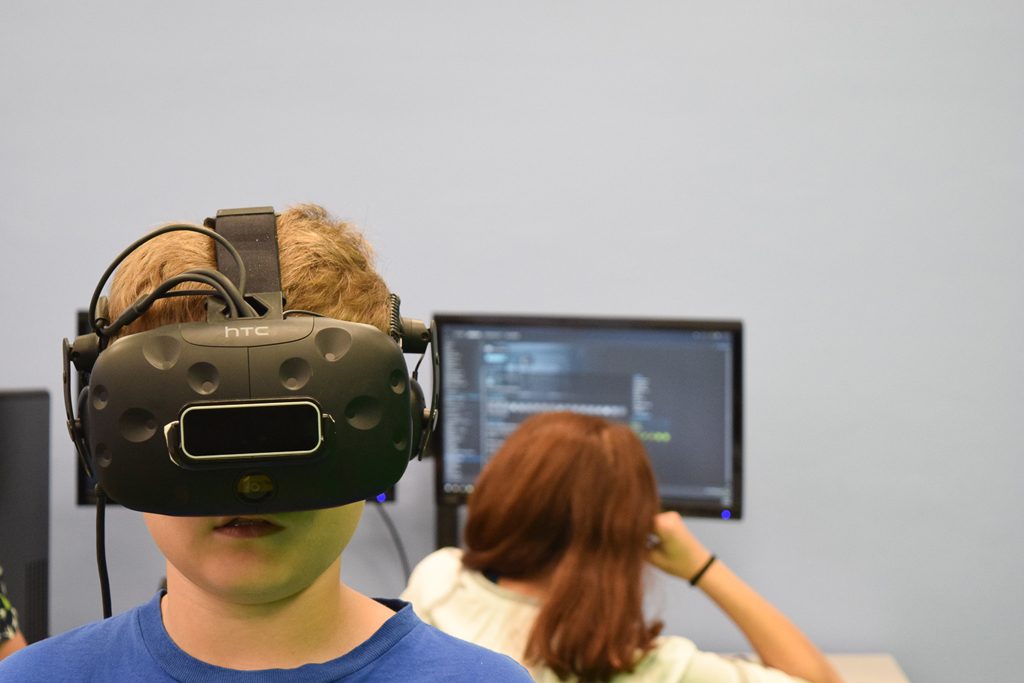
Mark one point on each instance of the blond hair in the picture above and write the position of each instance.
(326, 267)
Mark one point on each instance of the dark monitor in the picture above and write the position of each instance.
(25, 506)
(677, 383)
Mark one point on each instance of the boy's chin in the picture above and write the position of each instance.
(261, 585)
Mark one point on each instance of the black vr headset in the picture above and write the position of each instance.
(257, 410)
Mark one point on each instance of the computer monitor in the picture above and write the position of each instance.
(677, 383)
(25, 506)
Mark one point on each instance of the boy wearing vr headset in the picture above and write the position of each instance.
(259, 596)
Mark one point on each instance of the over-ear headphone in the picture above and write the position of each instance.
(256, 410)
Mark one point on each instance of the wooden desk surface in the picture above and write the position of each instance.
(868, 668)
(871, 667)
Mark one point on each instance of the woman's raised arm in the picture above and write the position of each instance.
(777, 641)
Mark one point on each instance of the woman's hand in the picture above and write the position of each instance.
(678, 551)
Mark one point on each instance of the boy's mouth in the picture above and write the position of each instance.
(248, 527)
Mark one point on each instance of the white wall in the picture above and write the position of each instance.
(844, 177)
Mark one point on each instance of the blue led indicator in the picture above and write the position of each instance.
(726, 514)
(381, 497)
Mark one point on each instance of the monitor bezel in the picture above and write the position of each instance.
(685, 506)
(25, 506)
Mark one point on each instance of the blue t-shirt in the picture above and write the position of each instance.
(134, 646)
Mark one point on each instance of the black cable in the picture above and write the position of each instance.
(234, 299)
(237, 295)
(145, 238)
(137, 309)
(225, 289)
(198, 292)
(72, 421)
(299, 311)
(396, 538)
(193, 292)
(101, 552)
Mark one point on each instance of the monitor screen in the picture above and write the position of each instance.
(25, 506)
(677, 383)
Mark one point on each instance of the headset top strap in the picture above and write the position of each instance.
(253, 232)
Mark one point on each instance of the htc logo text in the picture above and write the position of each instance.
(248, 331)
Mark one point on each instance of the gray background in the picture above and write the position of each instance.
(844, 177)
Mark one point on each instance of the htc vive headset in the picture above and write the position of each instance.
(256, 410)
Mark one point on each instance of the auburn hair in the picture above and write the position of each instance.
(326, 267)
(571, 499)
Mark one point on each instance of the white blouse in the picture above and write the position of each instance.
(467, 605)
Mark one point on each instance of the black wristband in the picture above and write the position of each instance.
(700, 572)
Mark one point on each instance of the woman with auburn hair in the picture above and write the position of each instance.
(558, 535)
